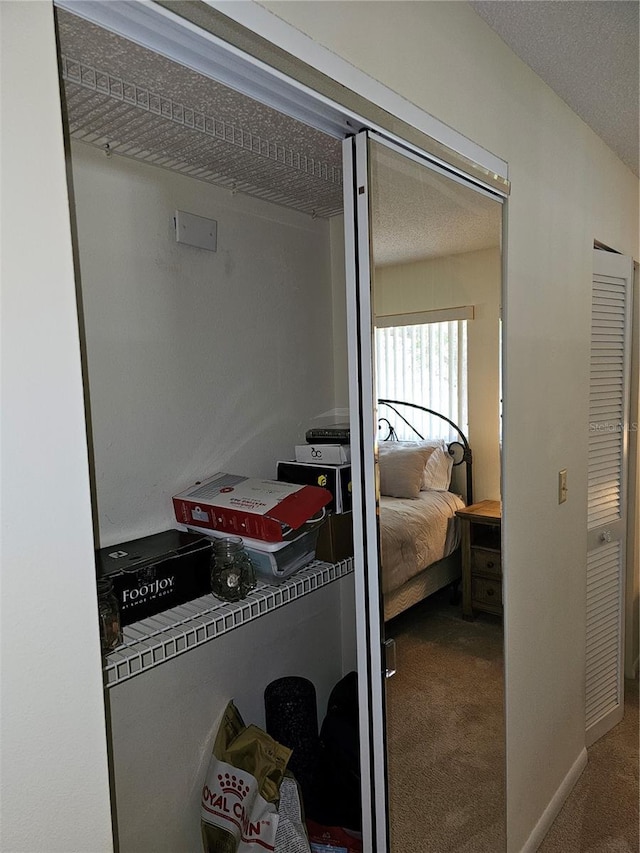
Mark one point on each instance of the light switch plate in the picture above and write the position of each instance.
(196, 231)
(562, 486)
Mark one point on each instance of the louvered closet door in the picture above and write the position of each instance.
(607, 505)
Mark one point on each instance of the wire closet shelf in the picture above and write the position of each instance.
(124, 118)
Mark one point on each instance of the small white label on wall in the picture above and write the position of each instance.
(196, 231)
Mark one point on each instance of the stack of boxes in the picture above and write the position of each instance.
(329, 466)
(277, 521)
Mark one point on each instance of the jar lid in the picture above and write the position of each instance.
(228, 540)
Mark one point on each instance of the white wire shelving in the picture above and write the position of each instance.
(123, 118)
(166, 635)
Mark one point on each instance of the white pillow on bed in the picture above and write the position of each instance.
(423, 444)
(402, 465)
(437, 471)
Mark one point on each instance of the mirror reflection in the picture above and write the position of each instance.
(436, 294)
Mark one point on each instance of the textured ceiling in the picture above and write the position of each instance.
(587, 52)
(417, 213)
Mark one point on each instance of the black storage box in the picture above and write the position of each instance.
(335, 478)
(156, 572)
(335, 539)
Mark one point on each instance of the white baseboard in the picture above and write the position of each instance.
(555, 804)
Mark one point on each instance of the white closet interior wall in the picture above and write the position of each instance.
(196, 361)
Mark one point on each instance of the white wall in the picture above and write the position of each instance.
(165, 720)
(471, 278)
(567, 189)
(197, 361)
(340, 371)
(54, 785)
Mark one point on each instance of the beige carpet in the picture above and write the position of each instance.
(446, 732)
(446, 747)
(601, 814)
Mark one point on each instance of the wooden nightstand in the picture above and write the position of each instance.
(481, 558)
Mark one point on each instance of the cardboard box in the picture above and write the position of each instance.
(335, 478)
(323, 454)
(242, 506)
(335, 540)
(156, 572)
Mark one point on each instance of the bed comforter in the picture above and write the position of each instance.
(416, 532)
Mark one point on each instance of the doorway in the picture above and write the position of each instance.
(131, 150)
(608, 489)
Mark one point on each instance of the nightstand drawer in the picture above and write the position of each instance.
(486, 592)
(486, 562)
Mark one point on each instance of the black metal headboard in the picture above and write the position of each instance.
(458, 449)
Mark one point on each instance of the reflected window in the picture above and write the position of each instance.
(425, 363)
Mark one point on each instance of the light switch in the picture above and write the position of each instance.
(562, 486)
(196, 231)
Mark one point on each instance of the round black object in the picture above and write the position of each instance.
(291, 718)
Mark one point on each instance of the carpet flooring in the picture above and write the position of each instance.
(445, 729)
(601, 813)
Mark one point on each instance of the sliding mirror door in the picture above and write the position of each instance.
(425, 327)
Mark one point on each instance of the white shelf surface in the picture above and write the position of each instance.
(166, 635)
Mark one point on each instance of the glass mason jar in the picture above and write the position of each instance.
(232, 573)
(109, 615)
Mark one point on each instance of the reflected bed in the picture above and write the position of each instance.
(419, 531)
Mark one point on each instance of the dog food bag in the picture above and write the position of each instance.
(242, 788)
(291, 836)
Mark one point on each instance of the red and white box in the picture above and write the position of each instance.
(242, 506)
